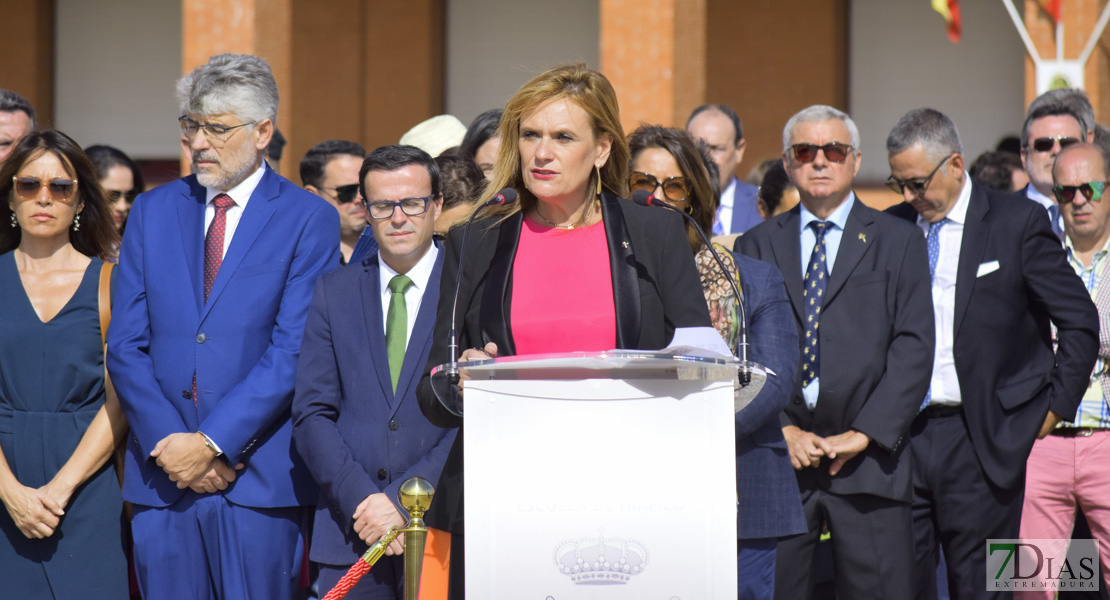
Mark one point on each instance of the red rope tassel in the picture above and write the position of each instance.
(348, 581)
(362, 567)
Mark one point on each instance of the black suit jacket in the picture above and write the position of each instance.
(1009, 378)
(876, 343)
(656, 288)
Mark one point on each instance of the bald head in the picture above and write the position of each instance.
(1088, 158)
(1080, 175)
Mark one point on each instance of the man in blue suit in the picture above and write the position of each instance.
(356, 420)
(719, 127)
(215, 276)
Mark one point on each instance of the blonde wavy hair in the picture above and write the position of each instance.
(587, 88)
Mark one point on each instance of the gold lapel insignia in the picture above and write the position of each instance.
(863, 238)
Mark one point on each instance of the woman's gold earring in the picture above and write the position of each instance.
(597, 169)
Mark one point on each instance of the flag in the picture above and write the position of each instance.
(950, 10)
(1052, 7)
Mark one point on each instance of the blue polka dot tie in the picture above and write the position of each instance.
(932, 244)
(1054, 216)
(813, 294)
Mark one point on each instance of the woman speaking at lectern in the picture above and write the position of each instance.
(571, 266)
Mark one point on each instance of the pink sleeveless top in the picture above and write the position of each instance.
(562, 291)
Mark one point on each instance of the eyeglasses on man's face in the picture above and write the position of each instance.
(1092, 191)
(216, 134)
(834, 152)
(917, 187)
(344, 194)
(1045, 144)
(383, 209)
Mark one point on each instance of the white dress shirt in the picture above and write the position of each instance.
(724, 212)
(240, 194)
(944, 386)
(838, 219)
(420, 274)
(1036, 196)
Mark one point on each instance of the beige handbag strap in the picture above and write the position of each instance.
(104, 299)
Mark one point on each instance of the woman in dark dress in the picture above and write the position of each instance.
(61, 526)
(570, 267)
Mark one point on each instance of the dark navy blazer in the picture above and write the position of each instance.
(768, 502)
(357, 436)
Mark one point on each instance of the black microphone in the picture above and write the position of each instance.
(505, 196)
(645, 198)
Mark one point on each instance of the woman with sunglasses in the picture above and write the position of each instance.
(666, 163)
(569, 267)
(58, 422)
(120, 177)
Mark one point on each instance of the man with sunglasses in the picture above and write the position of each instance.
(358, 424)
(858, 280)
(998, 276)
(330, 170)
(1055, 120)
(215, 276)
(1067, 469)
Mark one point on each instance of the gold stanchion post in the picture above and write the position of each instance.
(415, 495)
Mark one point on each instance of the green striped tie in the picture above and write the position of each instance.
(396, 326)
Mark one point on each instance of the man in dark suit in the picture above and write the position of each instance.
(216, 272)
(858, 283)
(719, 127)
(999, 276)
(356, 420)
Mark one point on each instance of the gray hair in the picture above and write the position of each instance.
(238, 84)
(931, 128)
(12, 102)
(1073, 98)
(1058, 103)
(820, 112)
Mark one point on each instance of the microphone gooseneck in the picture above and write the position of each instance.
(505, 196)
(644, 198)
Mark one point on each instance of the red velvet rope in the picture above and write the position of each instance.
(349, 580)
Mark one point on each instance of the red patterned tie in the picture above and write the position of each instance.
(214, 242)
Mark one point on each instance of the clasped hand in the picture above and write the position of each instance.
(374, 517)
(192, 464)
(807, 448)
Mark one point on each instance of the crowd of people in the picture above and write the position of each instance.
(218, 385)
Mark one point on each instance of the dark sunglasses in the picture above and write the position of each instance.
(61, 188)
(674, 188)
(114, 196)
(916, 187)
(834, 152)
(1045, 144)
(1092, 191)
(346, 194)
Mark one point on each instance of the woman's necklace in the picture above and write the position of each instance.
(582, 219)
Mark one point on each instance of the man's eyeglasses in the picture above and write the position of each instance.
(834, 152)
(60, 188)
(410, 206)
(216, 134)
(918, 186)
(1092, 191)
(1045, 144)
(344, 194)
(674, 188)
(114, 196)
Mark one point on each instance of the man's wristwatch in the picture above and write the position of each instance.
(211, 445)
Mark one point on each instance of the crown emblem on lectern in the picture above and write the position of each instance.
(600, 560)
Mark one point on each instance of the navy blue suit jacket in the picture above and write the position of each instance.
(745, 210)
(357, 436)
(768, 502)
(242, 344)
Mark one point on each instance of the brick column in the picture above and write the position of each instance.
(259, 27)
(1079, 18)
(28, 64)
(653, 51)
